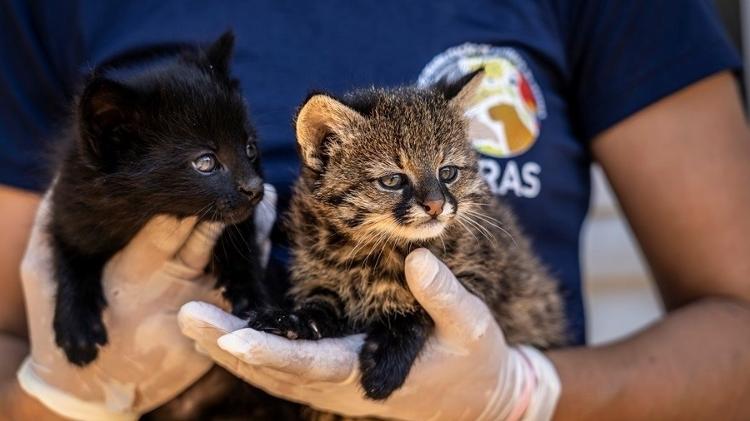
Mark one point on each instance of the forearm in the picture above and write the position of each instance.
(15, 404)
(693, 364)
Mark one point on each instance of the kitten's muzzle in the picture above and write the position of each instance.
(235, 215)
(252, 189)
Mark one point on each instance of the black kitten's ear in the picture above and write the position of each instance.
(106, 108)
(461, 91)
(220, 52)
(319, 116)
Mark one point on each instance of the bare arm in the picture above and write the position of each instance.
(17, 208)
(681, 171)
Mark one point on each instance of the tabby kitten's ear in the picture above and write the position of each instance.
(461, 91)
(107, 110)
(320, 116)
(220, 53)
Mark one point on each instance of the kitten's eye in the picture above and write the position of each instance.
(392, 181)
(205, 164)
(251, 151)
(448, 174)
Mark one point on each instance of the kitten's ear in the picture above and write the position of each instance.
(105, 108)
(461, 91)
(220, 52)
(319, 116)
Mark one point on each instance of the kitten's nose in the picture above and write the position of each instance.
(252, 188)
(433, 207)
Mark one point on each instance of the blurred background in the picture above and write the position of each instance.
(620, 295)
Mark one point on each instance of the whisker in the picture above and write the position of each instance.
(482, 230)
(459, 220)
(493, 222)
(442, 241)
(247, 248)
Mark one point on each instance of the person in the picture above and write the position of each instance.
(644, 88)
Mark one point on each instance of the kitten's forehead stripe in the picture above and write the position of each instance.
(398, 157)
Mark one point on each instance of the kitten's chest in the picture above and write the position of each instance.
(379, 291)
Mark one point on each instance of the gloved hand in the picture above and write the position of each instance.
(147, 361)
(465, 372)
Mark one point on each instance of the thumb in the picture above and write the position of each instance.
(198, 248)
(161, 237)
(459, 316)
(204, 323)
(265, 213)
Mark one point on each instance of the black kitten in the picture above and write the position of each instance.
(169, 138)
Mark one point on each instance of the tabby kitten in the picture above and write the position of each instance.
(166, 138)
(385, 172)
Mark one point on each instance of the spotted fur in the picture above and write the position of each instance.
(350, 235)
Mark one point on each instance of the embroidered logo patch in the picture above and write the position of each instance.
(506, 113)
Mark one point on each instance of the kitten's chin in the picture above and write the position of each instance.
(234, 216)
(414, 232)
(424, 231)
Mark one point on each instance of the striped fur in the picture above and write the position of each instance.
(350, 235)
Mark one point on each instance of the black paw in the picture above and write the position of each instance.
(383, 370)
(80, 337)
(283, 323)
(241, 307)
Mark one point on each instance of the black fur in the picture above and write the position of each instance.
(320, 317)
(390, 349)
(128, 157)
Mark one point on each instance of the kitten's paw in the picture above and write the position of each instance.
(80, 338)
(241, 307)
(283, 323)
(383, 369)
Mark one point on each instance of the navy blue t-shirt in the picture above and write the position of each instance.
(558, 73)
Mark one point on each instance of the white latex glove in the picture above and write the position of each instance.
(147, 361)
(466, 371)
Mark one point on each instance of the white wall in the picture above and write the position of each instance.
(619, 294)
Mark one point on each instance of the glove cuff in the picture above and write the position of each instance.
(546, 388)
(63, 403)
(527, 388)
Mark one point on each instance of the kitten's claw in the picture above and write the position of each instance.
(281, 323)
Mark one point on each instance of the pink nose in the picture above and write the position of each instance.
(433, 207)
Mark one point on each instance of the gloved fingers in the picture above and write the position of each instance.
(205, 323)
(287, 390)
(37, 258)
(459, 316)
(42, 213)
(248, 353)
(161, 238)
(325, 360)
(266, 379)
(265, 213)
(198, 248)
